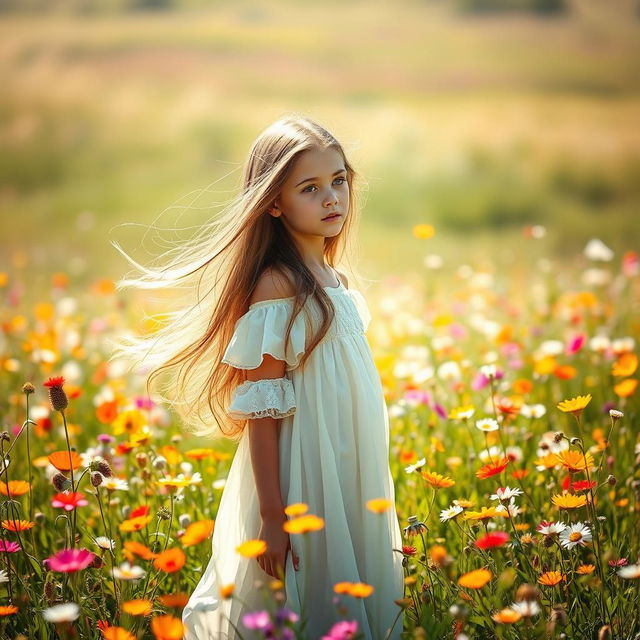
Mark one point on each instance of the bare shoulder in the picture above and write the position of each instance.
(273, 283)
(342, 277)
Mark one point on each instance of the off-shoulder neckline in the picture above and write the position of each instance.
(288, 298)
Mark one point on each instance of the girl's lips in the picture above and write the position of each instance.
(335, 216)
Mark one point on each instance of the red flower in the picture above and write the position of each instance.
(579, 485)
(54, 382)
(140, 511)
(409, 551)
(492, 469)
(491, 540)
(69, 501)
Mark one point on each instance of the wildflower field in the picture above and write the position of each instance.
(512, 396)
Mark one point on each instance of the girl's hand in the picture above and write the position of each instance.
(272, 561)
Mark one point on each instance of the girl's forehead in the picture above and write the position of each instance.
(322, 161)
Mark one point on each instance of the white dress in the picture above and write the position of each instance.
(334, 448)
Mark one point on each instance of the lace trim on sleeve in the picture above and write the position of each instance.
(271, 397)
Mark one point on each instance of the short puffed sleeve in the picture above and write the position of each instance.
(261, 330)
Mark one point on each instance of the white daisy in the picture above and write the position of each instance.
(533, 410)
(492, 453)
(487, 424)
(105, 543)
(67, 612)
(412, 467)
(526, 608)
(128, 572)
(451, 512)
(115, 484)
(551, 528)
(574, 535)
(630, 572)
(506, 493)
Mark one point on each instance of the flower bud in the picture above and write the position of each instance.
(142, 459)
(126, 510)
(163, 513)
(527, 592)
(39, 517)
(558, 437)
(61, 482)
(28, 388)
(615, 415)
(184, 520)
(176, 438)
(96, 478)
(612, 481)
(5, 436)
(160, 463)
(104, 468)
(575, 442)
(57, 396)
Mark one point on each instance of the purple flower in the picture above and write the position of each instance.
(9, 547)
(260, 620)
(105, 437)
(144, 403)
(416, 397)
(343, 630)
(69, 560)
(286, 615)
(440, 411)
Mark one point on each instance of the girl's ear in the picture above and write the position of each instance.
(274, 210)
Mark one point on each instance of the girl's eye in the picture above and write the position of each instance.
(309, 187)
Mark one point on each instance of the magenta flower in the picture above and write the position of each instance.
(260, 620)
(69, 560)
(9, 547)
(343, 630)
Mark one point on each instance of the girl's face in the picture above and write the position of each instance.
(316, 187)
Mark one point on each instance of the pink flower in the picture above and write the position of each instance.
(69, 560)
(575, 344)
(9, 547)
(343, 630)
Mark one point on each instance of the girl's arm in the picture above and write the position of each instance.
(263, 444)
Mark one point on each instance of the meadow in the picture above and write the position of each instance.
(514, 450)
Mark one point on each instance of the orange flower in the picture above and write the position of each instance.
(15, 488)
(569, 501)
(506, 616)
(135, 524)
(438, 555)
(226, 591)
(522, 386)
(475, 579)
(626, 388)
(170, 560)
(378, 505)
(492, 469)
(200, 454)
(107, 412)
(565, 372)
(197, 532)
(303, 524)
(548, 461)
(60, 460)
(117, 633)
(575, 405)
(17, 525)
(575, 461)
(296, 509)
(167, 628)
(133, 548)
(551, 578)
(355, 589)
(174, 600)
(437, 481)
(625, 365)
(585, 569)
(8, 610)
(172, 454)
(252, 548)
(138, 607)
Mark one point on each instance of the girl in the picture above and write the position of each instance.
(273, 354)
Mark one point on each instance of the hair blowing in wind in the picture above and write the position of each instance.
(211, 278)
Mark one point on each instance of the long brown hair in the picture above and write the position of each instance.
(218, 270)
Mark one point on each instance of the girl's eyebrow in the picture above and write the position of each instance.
(310, 179)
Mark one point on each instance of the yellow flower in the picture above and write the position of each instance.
(437, 481)
(303, 524)
(569, 501)
(129, 422)
(485, 513)
(475, 579)
(297, 509)
(424, 231)
(575, 405)
(575, 461)
(551, 578)
(252, 548)
(378, 505)
(137, 607)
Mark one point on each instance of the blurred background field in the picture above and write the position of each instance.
(479, 117)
